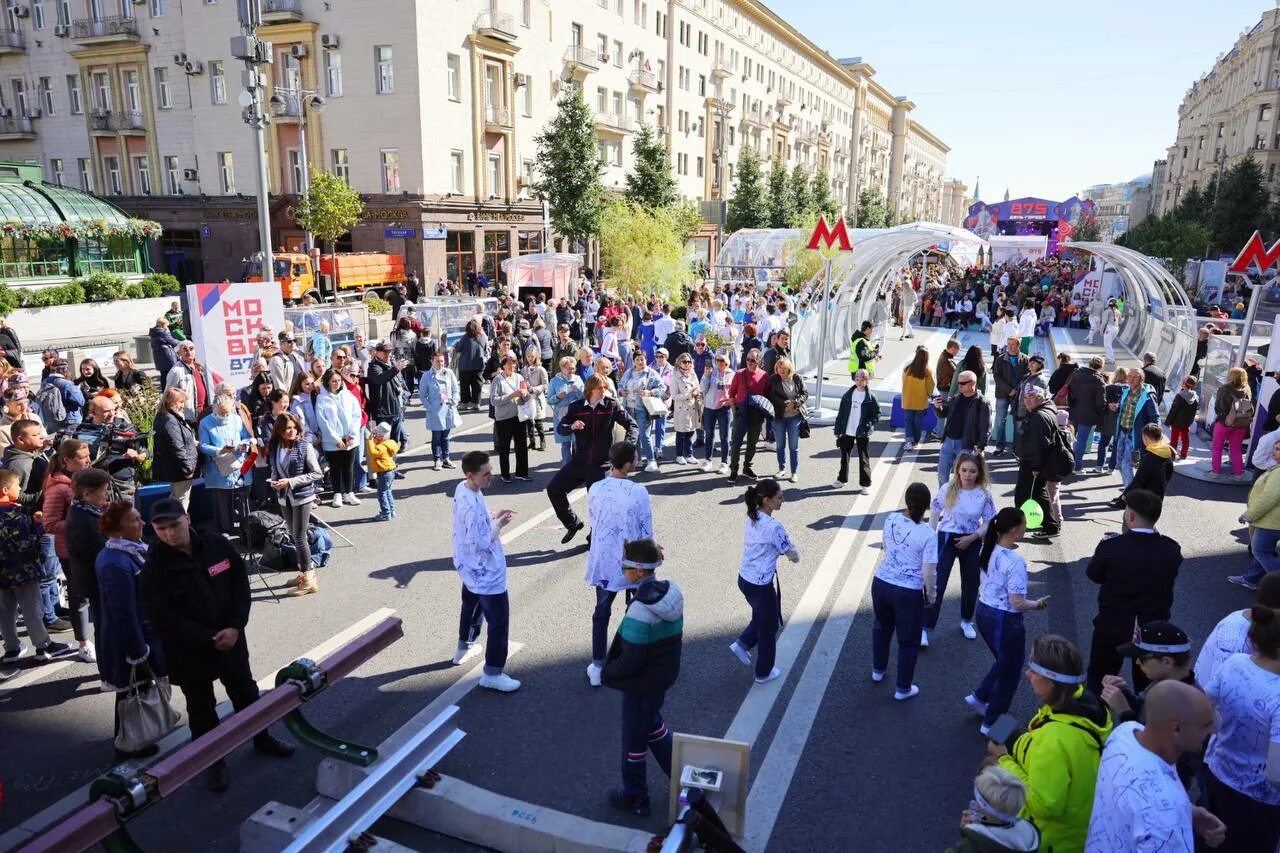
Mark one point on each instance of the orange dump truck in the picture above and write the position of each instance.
(353, 272)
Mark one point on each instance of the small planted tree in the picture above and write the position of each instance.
(650, 183)
(781, 205)
(568, 167)
(748, 208)
(801, 200)
(330, 208)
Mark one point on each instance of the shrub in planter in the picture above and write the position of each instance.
(70, 293)
(103, 287)
(377, 305)
(158, 284)
(9, 300)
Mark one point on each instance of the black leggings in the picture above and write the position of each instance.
(341, 470)
(470, 382)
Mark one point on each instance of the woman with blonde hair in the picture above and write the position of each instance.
(128, 378)
(788, 394)
(917, 387)
(960, 513)
(1234, 410)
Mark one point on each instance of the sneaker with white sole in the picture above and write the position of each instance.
(350, 499)
(877, 677)
(976, 705)
(1241, 580)
(776, 673)
(435, 465)
(467, 652)
(12, 657)
(593, 674)
(740, 653)
(781, 475)
(87, 654)
(968, 630)
(336, 503)
(924, 639)
(709, 468)
(679, 460)
(902, 696)
(724, 468)
(366, 490)
(51, 650)
(652, 467)
(501, 682)
(795, 477)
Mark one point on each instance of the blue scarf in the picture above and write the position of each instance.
(136, 550)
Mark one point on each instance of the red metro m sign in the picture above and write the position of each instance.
(823, 234)
(1255, 253)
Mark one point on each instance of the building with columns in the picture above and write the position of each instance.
(430, 110)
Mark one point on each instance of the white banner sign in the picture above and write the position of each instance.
(225, 321)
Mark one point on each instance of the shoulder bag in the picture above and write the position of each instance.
(146, 714)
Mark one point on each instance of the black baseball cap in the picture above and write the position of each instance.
(1156, 638)
(166, 509)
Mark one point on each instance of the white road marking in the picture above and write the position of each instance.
(452, 435)
(181, 736)
(769, 789)
(507, 538)
(35, 673)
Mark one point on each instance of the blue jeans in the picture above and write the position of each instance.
(566, 452)
(1006, 636)
(476, 609)
(361, 468)
(643, 731)
(787, 432)
(1104, 441)
(1124, 455)
(1084, 434)
(970, 571)
(684, 445)
(386, 500)
(766, 621)
(947, 456)
(645, 442)
(439, 444)
(713, 419)
(1003, 404)
(1264, 554)
(899, 611)
(659, 434)
(914, 425)
(51, 567)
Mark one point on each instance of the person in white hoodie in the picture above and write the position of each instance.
(1005, 326)
(338, 414)
(1027, 325)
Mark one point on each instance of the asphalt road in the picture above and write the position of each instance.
(841, 760)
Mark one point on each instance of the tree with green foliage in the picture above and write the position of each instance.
(642, 249)
(1173, 237)
(568, 167)
(749, 207)
(872, 210)
(823, 203)
(686, 217)
(801, 201)
(781, 206)
(1240, 205)
(1191, 206)
(1087, 231)
(329, 208)
(651, 183)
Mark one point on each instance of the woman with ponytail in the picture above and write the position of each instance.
(1002, 599)
(904, 585)
(765, 541)
(1243, 759)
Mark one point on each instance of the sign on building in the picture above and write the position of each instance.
(225, 321)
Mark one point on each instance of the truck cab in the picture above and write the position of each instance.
(292, 271)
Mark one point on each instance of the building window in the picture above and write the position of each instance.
(132, 92)
(495, 175)
(383, 76)
(46, 95)
(339, 164)
(454, 66)
(75, 101)
(617, 53)
(699, 164)
(55, 169)
(227, 172)
(333, 73)
(455, 172)
(102, 91)
(37, 14)
(64, 12)
(217, 83)
(526, 13)
(164, 96)
(157, 8)
(527, 167)
(528, 101)
(459, 255)
(173, 175)
(86, 174)
(497, 248)
(390, 170)
(702, 85)
(142, 173)
(111, 168)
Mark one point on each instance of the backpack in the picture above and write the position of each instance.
(1241, 412)
(53, 409)
(278, 551)
(1060, 462)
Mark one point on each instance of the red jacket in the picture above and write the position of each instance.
(747, 383)
(57, 500)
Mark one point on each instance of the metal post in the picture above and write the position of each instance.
(304, 188)
(721, 208)
(1255, 299)
(822, 337)
(259, 124)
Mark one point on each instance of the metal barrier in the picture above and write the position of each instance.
(126, 791)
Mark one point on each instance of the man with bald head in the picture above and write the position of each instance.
(1139, 803)
(965, 423)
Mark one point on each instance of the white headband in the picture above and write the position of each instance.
(1059, 677)
(986, 806)
(634, 564)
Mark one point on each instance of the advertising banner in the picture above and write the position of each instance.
(225, 321)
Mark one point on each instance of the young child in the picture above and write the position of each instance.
(1155, 465)
(381, 451)
(1182, 414)
(991, 822)
(21, 568)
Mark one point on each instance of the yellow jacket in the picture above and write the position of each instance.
(381, 455)
(1263, 509)
(1057, 759)
(915, 392)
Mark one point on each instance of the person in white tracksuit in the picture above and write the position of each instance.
(1110, 327)
(1095, 317)
(908, 306)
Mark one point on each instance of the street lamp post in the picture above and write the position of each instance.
(255, 54)
(308, 102)
(721, 110)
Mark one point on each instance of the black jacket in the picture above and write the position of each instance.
(591, 444)
(1008, 372)
(977, 421)
(1183, 414)
(1036, 437)
(1110, 394)
(771, 356)
(1086, 397)
(84, 540)
(870, 413)
(677, 344)
(1136, 574)
(190, 598)
(1060, 376)
(31, 469)
(11, 347)
(1154, 470)
(383, 391)
(1156, 378)
(780, 393)
(175, 457)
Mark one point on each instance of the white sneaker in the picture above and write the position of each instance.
(350, 499)
(501, 682)
(781, 475)
(593, 674)
(838, 485)
(724, 468)
(966, 628)
(777, 673)
(877, 677)
(679, 460)
(366, 490)
(795, 476)
(910, 447)
(740, 653)
(861, 490)
(976, 705)
(924, 639)
(466, 653)
(87, 654)
(652, 467)
(435, 465)
(902, 697)
(709, 468)
(336, 503)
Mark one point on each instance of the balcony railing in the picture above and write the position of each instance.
(124, 265)
(105, 29)
(496, 118)
(584, 57)
(130, 120)
(615, 121)
(16, 127)
(100, 120)
(497, 24)
(646, 80)
(11, 41)
(33, 269)
(720, 69)
(278, 11)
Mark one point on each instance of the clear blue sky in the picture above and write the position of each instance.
(1046, 99)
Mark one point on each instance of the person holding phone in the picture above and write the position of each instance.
(904, 585)
(960, 513)
(1002, 599)
(339, 416)
(765, 541)
(224, 442)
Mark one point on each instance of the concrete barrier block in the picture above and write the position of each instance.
(274, 826)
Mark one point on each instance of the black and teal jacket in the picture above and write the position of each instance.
(644, 657)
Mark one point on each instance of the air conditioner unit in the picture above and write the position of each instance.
(179, 59)
(329, 41)
(194, 67)
(298, 51)
(189, 174)
(20, 11)
(522, 80)
(62, 31)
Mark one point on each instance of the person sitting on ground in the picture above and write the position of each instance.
(991, 823)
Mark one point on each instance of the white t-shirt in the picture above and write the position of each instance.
(1027, 323)
(763, 543)
(972, 509)
(1006, 575)
(1139, 803)
(477, 548)
(908, 547)
(1246, 698)
(620, 511)
(855, 411)
(1229, 637)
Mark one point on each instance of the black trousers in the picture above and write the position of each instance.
(1252, 826)
(1105, 660)
(565, 481)
(470, 382)
(506, 432)
(202, 708)
(847, 444)
(746, 426)
(1036, 487)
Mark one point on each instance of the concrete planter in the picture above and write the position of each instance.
(122, 320)
(380, 326)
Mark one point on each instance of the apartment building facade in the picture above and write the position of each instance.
(1233, 111)
(430, 109)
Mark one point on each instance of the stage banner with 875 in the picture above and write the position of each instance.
(226, 319)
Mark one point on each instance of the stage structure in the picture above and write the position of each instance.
(1056, 221)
